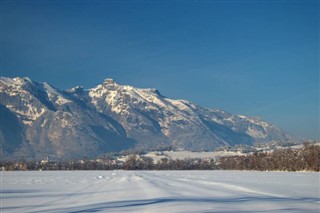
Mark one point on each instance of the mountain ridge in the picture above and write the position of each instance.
(112, 117)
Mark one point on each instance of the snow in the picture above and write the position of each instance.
(217, 120)
(31, 114)
(159, 191)
(14, 81)
(61, 100)
(50, 89)
(170, 114)
(114, 96)
(53, 93)
(8, 81)
(229, 119)
(188, 154)
(255, 133)
(180, 104)
(13, 84)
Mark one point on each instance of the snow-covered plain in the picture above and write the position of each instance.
(159, 191)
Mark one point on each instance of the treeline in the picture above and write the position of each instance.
(145, 163)
(133, 162)
(305, 159)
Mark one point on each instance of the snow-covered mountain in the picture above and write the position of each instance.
(38, 119)
(54, 122)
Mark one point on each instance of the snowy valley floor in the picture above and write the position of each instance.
(159, 191)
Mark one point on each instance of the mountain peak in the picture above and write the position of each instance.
(76, 89)
(107, 115)
(22, 80)
(109, 81)
(17, 81)
(154, 91)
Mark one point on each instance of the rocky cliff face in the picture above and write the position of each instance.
(39, 119)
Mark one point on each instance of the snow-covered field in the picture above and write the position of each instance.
(182, 155)
(159, 191)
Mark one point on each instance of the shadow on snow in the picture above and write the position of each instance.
(148, 202)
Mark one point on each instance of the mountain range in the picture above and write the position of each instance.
(38, 119)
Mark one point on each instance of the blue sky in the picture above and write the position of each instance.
(257, 58)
